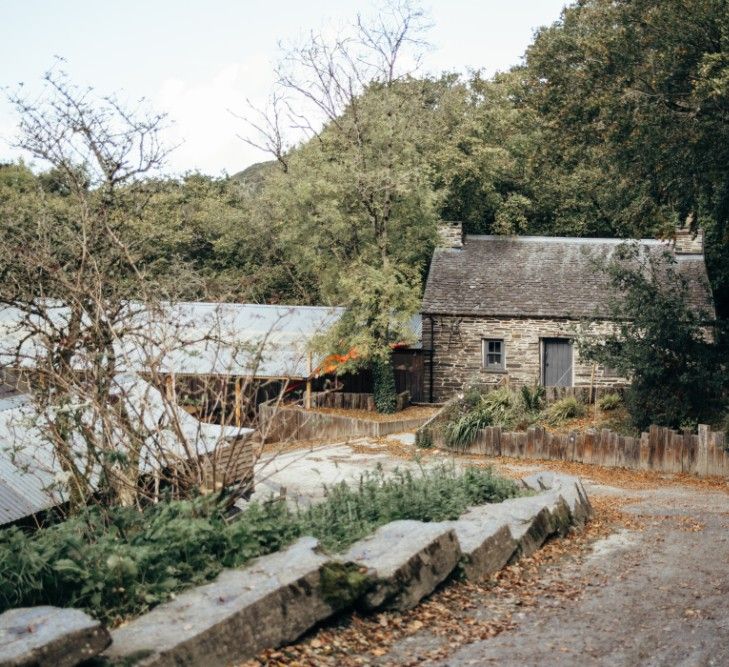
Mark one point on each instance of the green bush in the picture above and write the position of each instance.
(610, 402)
(437, 494)
(500, 407)
(532, 398)
(119, 563)
(383, 381)
(564, 410)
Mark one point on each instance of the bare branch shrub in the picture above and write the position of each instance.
(94, 338)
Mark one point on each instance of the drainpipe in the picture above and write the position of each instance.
(431, 354)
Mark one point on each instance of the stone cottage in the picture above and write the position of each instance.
(505, 310)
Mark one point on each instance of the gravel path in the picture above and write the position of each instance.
(659, 594)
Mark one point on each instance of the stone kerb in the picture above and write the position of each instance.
(276, 598)
(49, 636)
(269, 603)
(406, 560)
(491, 536)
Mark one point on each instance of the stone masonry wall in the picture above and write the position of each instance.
(450, 235)
(688, 242)
(457, 359)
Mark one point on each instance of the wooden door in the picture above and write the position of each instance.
(557, 362)
(409, 372)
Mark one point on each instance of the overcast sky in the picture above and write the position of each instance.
(197, 59)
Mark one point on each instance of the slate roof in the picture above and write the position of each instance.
(542, 277)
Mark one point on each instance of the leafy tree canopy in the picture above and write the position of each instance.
(661, 342)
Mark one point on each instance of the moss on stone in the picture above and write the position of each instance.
(342, 584)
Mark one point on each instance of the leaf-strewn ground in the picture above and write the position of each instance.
(641, 584)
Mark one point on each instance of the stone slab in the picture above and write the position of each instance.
(569, 487)
(529, 520)
(270, 602)
(407, 560)
(33, 636)
(486, 543)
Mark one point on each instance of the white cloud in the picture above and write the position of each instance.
(203, 125)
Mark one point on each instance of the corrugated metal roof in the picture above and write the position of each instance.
(29, 471)
(26, 465)
(219, 339)
(262, 341)
(211, 339)
(13, 505)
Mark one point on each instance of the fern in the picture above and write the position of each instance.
(533, 398)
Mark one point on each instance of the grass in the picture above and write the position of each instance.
(512, 410)
(610, 402)
(564, 410)
(119, 563)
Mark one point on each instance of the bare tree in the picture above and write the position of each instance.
(93, 336)
(319, 94)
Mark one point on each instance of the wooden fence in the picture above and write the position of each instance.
(353, 401)
(343, 399)
(288, 423)
(660, 448)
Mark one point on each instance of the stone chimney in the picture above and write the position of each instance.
(688, 241)
(450, 234)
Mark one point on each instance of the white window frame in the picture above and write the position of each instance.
(493, 368)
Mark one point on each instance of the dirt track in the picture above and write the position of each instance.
(645, 583)
(659, 593)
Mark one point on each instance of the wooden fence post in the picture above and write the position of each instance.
(702, 452)
(238, 403)
(644, 456)
(721, 453)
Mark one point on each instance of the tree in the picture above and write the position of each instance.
(357, 198)
(661, 342)
(86, 325)
(632, 102)
(212, 228)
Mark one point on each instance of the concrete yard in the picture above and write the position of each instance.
(303, 473)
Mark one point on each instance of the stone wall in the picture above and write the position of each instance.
(276, 598)
(450, 234)
(457, 362)
(688, 242)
